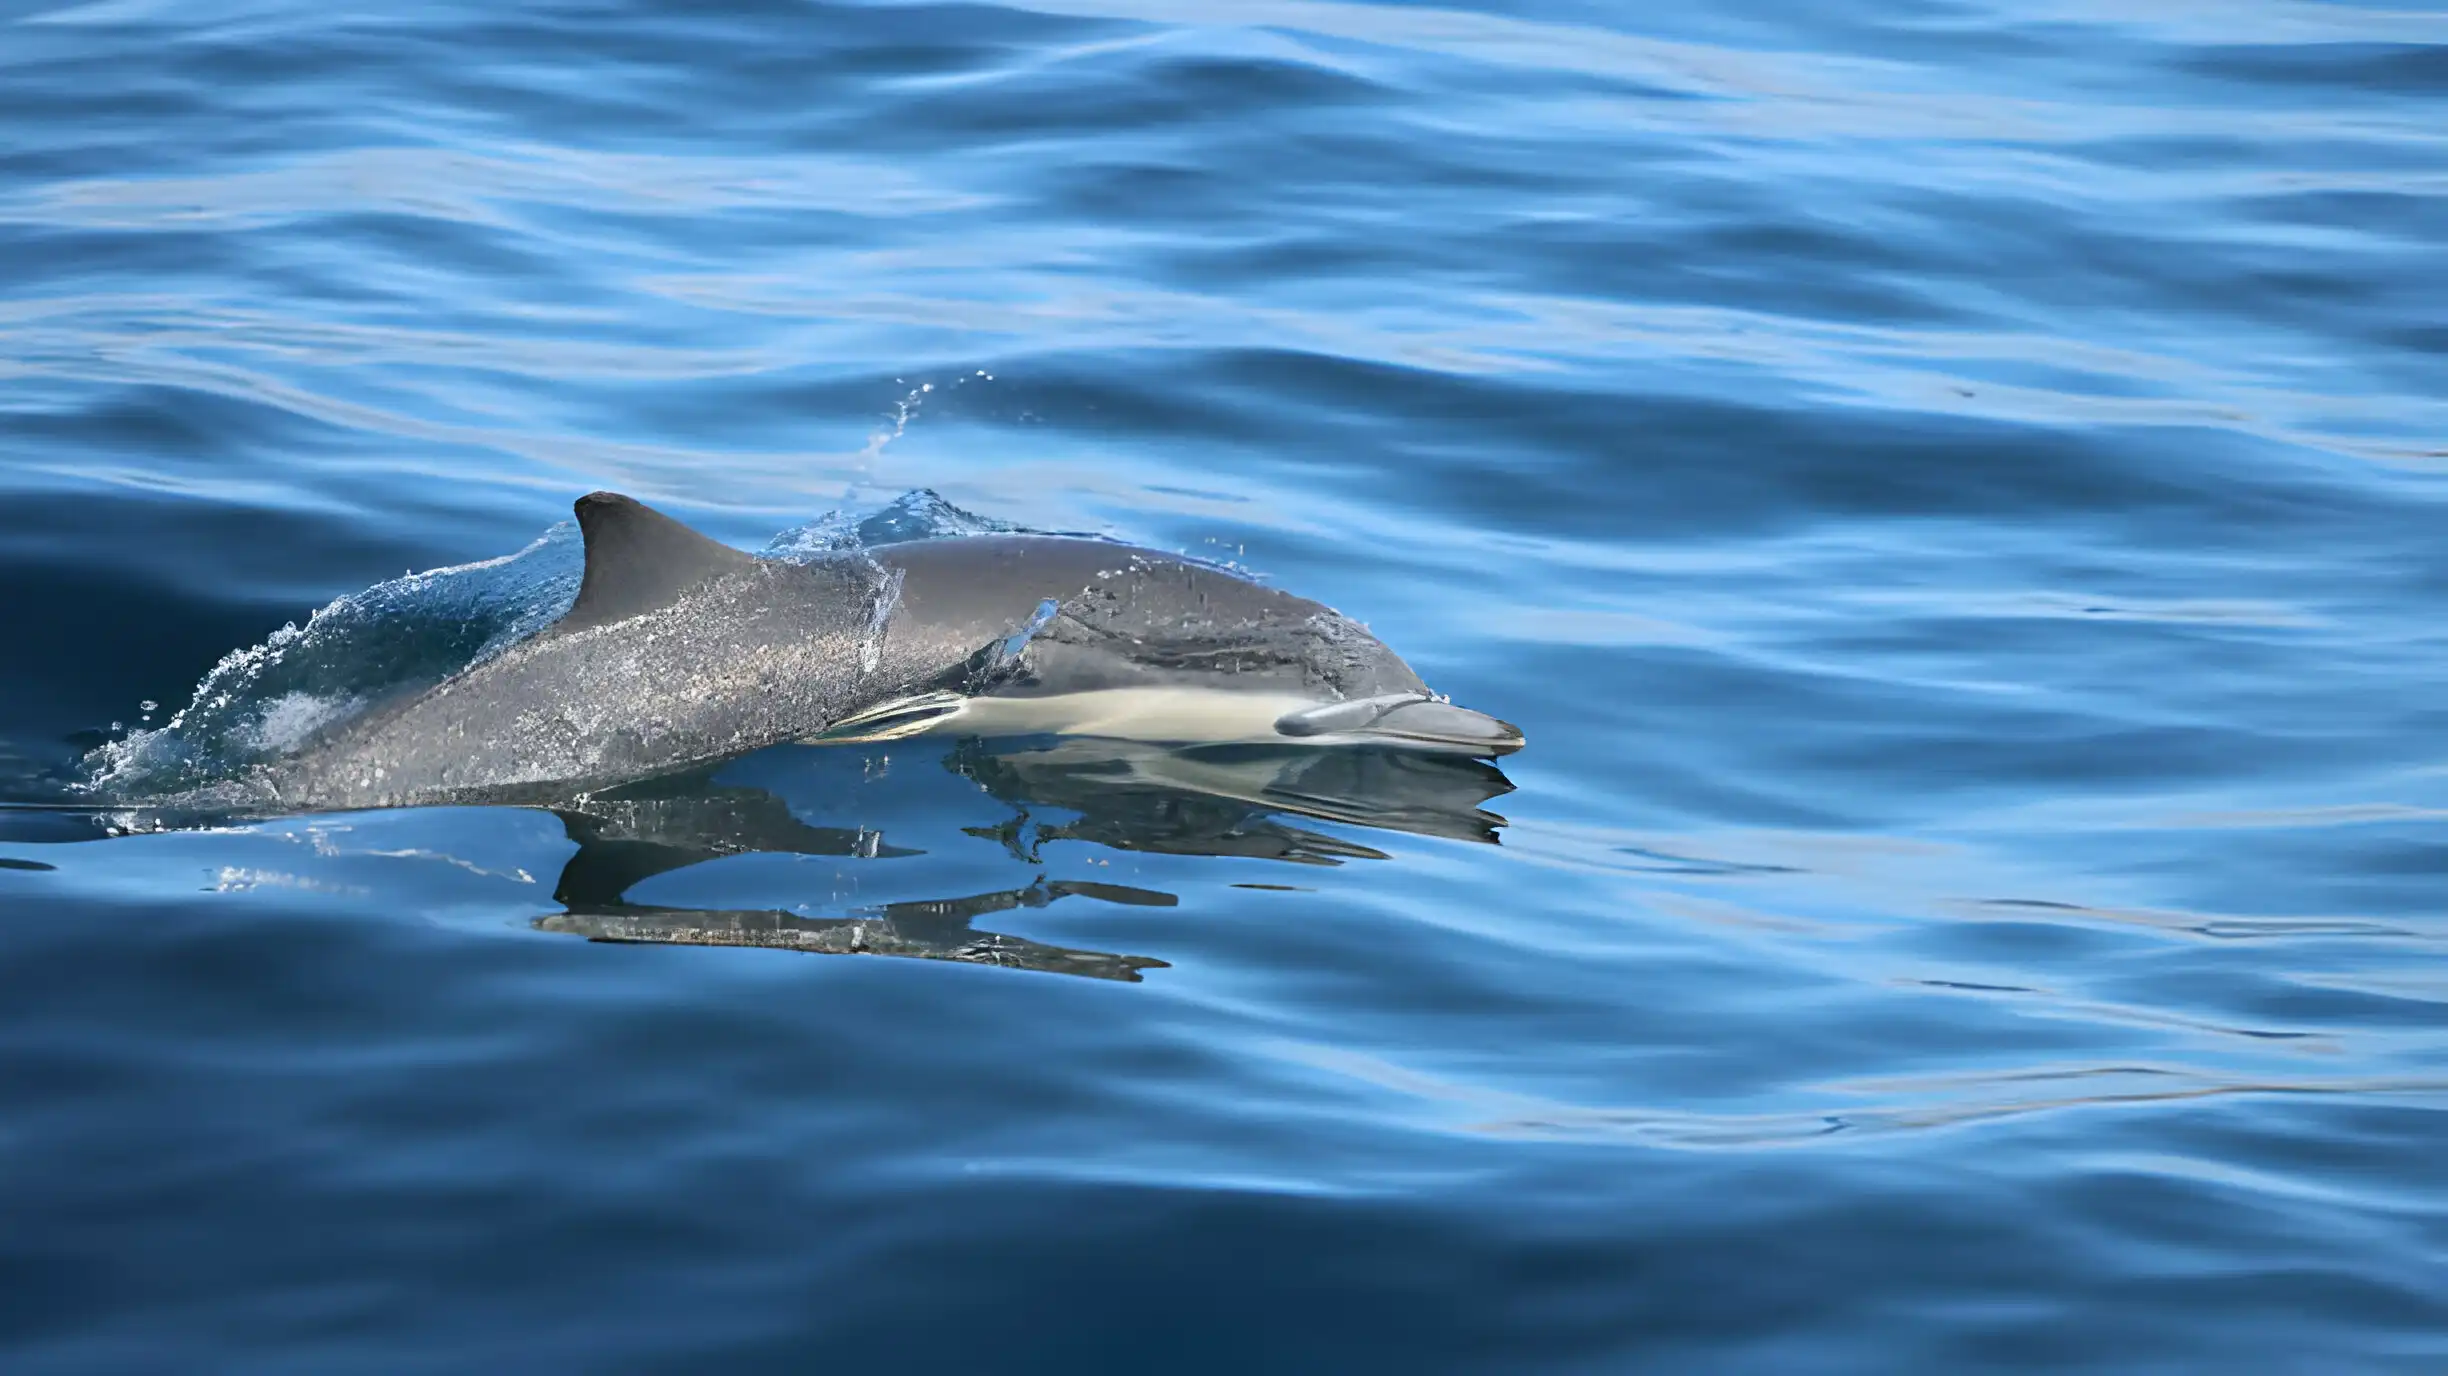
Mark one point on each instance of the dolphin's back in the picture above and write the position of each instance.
(1128, 618)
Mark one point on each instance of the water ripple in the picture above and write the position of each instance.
(1953, 495)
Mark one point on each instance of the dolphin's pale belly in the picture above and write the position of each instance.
(1182, 714)
(1171, 713)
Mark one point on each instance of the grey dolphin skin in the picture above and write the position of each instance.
(680, 651)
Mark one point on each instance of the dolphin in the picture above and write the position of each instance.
(681, 651)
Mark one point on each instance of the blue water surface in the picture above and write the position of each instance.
(1955, 493)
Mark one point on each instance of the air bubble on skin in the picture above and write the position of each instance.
(1008, 654)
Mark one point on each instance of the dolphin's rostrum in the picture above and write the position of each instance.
(680, 651)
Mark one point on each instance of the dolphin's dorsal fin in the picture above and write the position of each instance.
(638, 560)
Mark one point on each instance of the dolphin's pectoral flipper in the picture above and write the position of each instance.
(1332, 718)
(639, 560)
(1410, 719)
(890, 721)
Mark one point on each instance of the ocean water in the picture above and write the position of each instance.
(1955, 493)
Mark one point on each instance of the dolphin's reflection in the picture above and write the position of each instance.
(673, 823)
(933, 930)
(1232, 800)
(1221, 802)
